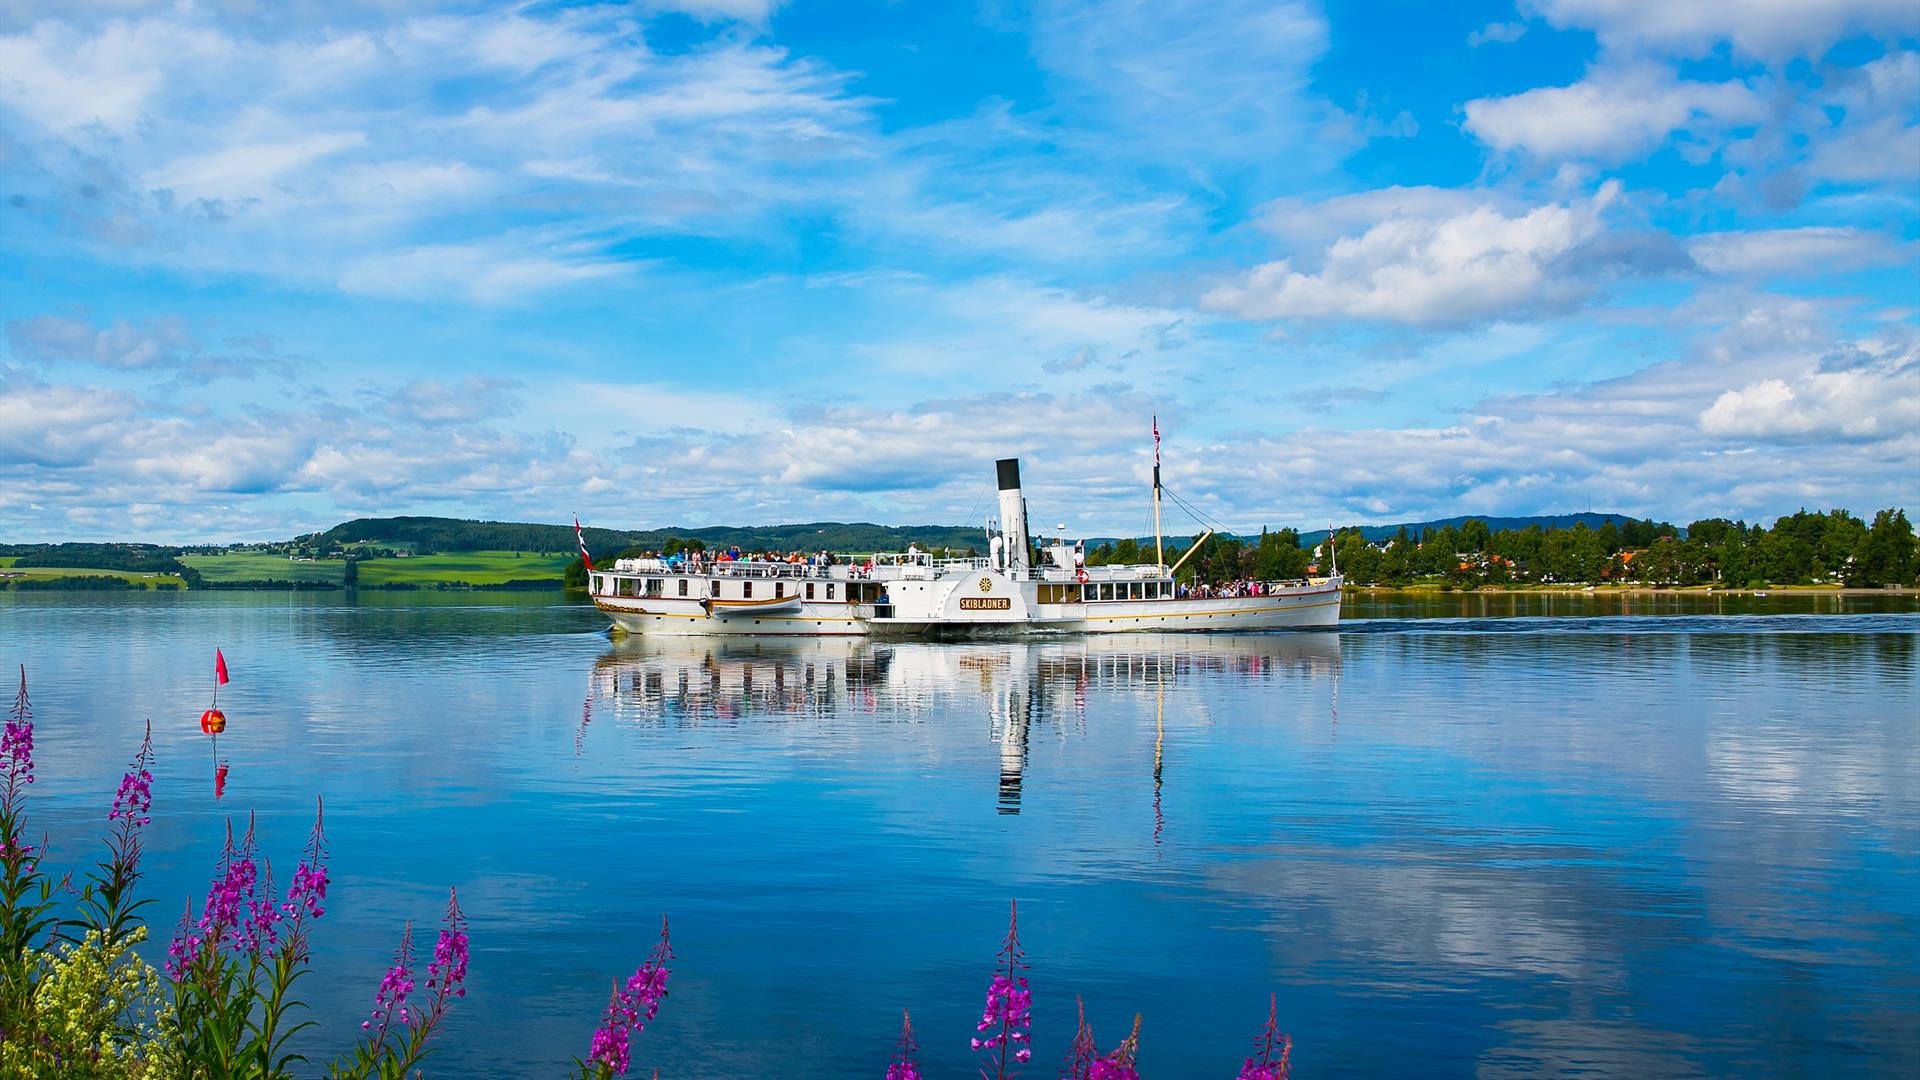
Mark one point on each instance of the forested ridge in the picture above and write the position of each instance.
(1804, 548)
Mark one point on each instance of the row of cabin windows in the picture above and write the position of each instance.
(857, 592)
(1106, 590)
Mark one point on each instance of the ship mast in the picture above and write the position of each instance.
(1159, 550)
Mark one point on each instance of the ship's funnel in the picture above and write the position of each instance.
(1013, 516)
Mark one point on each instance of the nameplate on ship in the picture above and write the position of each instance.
(985, 603)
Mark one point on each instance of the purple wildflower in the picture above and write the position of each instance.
(231, 895)
(390, 1001)
(264, 916)
(134, 802)
(611, 1043)
(1009, 1010)
(1119, 1065)
(185, 949)
(16, 746)
(309, 885)
(903, 1067)
(447, 973)
(631, 1008)
(1084, 1051)
(1268, 1043)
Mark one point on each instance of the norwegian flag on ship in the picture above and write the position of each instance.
(581, 538)
(1156, 439)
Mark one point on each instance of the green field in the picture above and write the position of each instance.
(7, 560)
(260, 566)
(472, 567)
(149, 580)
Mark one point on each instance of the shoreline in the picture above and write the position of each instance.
(1768, 592)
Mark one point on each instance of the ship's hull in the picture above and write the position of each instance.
(1305, 607)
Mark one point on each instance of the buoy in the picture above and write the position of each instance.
(213, 721)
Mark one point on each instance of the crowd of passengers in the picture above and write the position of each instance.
(1241, 587)
(803, 563)
(814, 564)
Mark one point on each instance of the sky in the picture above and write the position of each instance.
(268, 266)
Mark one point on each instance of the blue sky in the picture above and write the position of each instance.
(265, 267)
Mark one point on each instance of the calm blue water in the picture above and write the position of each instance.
(1668, 845)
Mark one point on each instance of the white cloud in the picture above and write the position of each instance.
(1499, 33)
(56, 339)
(1772, 30)
(1468, 266)
(1614, 114)
(510, 271)
(755, 12)
(64, 80)
(248, 171)
(1812, 251)
(1853, 395)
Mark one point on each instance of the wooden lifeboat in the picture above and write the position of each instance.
(769, 605)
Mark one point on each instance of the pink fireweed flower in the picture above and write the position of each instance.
(134, 801)
(631, 1008)
(612, 1042)
(447, 973)
(16, 745)
(1263, 1065)
(309, 886)
(902, 1067)
(264, 916)
(1084, 1051)
(390, 1001)
(231, 895)
(1009, 1010)
(1119, 1065)
(185, 948)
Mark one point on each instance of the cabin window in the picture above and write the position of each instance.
(1133, 591)
(655, 586)
(779, 589)
(829, 590)
(1106, 590)
(683, 586)
(625, 588)
(746, 589)
(809, 590)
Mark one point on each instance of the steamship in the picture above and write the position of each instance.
(1020, 587)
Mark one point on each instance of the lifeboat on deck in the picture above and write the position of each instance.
(771, 605)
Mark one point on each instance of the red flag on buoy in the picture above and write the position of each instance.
(220, 780)
(219, 667)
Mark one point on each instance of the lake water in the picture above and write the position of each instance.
(1514, 841)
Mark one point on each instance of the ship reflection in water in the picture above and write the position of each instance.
(1019, 688)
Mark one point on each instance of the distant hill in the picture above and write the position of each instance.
(455, 535)
(1311, 537)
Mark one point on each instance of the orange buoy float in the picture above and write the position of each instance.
(213, 721)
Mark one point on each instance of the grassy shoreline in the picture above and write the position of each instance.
(1630, 590)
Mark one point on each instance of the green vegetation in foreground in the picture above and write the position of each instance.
(465, 568)
(261, 566)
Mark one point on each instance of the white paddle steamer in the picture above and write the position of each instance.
(1019, 588)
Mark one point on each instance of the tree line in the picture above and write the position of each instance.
(1804, 548)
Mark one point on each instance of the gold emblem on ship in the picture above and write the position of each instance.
(986, 584)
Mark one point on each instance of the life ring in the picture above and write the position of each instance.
(1080, 576)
